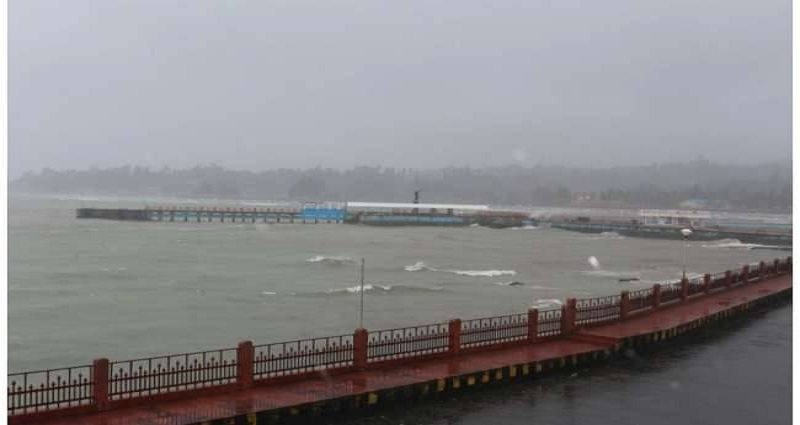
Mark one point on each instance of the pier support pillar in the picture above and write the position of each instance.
(745, 274)
(533, 325)
(762, 270)
(360, 341)
(100, 376)
(568, 311)
(789, 264)
(728, 278)
(656, 296)
(707, 283)
(244, 364)
(776, 267)
(454, 336)
(684, 289)
(624, 305)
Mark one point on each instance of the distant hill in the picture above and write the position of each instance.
(765, 187)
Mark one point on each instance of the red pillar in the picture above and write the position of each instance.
(244, 364)
(707, 282)
(728, 278)
(533, 325)
(360, 340)
(454, 336)
(656, 296)
(624, 304)
(684, 289)
(568, 317)
(100, 376)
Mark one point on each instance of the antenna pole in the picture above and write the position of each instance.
(361, 310)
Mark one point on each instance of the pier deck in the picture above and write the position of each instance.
(424, 376)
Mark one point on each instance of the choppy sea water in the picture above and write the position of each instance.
(736, 374)
(82, 289)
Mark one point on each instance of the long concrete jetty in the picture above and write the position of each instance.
(298, 380)
(216, 214)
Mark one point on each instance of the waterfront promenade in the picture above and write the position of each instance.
(273, 383)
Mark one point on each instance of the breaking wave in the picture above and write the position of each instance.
(372, 288)
(357, 288)
(333, 260)
(737, 244)
(419, 266)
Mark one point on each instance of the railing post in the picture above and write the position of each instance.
(684, 289)
(776, 267)
(624, 305)
(728, 278)
(360, 340)
(707, 283)
(100, 377)
(454, 336)
(789, 264)
(745, 273)
(244, 364)
(656, 296)
(762, 270)
(533, 325)
(568, 317)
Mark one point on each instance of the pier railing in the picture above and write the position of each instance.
(105, 384)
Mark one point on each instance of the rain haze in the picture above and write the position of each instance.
(365, 212)
(259, 85)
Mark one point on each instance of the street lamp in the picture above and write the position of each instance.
(361, 309)
(685, 233)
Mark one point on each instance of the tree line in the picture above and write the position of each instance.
(695, 184)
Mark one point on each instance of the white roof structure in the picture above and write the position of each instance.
(675, 213)
(369, 205)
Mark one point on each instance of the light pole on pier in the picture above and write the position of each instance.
(361, 309)
(685, 233)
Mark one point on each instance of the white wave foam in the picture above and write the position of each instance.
(333, 260)
(594, 262)
(484, 273)
(546, 303)
(607, 235)
(418, 267)
(735, 244)
(525, 227)
(356, 289)
(268, 293)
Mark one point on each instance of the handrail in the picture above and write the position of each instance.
(106, 384)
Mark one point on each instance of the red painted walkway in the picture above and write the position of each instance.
(322, 388)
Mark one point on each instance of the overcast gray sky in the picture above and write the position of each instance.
(266, 84)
